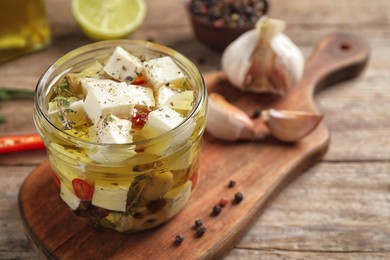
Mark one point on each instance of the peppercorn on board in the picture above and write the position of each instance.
(259, 169)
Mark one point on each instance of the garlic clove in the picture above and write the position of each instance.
(236, 59)
(227, 122)
(263, 59)
(290, 125)
(290, 55)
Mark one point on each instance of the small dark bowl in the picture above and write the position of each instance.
(218, 38)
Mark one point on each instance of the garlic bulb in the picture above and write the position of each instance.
(227, 122)
(290, 125)
(263, 59)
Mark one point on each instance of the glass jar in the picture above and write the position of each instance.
(96, 182)
(24, 27)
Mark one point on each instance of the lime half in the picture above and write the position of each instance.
(108, 19)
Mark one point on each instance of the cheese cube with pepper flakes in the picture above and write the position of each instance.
(74, 112)
(110, 196)
(179, 100)
(108, 97)
(123, 66)
(164, 119)
(88, 83)
(163, 71)
(113, 130)
(141, 96)
(177, 199)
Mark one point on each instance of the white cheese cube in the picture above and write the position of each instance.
(88, 83)
(176, 99)
(123, 66)
(183, 160)
(107, 98)
(177, 199)
(164, 119)
(69, 197)
(141, 96)
(183, 137)
(111, 197)
(108, 154)
(75, 113)
(162, 71)
(113, 130)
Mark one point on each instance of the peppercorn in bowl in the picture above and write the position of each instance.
(123, 122)
(216, 23)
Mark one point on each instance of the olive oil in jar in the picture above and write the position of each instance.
(23, 27)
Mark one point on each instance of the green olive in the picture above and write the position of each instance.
(158, 185)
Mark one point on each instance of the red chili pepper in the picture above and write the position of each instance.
(139, 119)
(140, 80)
(18, 143)
(82, 189)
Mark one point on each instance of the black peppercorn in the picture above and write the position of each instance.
(216, 210)
(198, 223)
(200, 231)
(178, 240)
(238, 197)
(231, 184)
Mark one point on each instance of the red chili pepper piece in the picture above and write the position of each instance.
(17, 143)
(82, 189)
(139, 119)
(140, 80)
(223, 202)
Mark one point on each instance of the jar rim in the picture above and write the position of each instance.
(44, 84)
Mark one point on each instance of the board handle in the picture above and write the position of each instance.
(336, 57)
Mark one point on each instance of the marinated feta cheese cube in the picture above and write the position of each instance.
(113, 130)
(88, 83)
(69, 197)
(141, 96)
(123, 66)
(74, 112)
(107, 154)
(162, 71)
(164, 119)
(108, 97)
(111, 196)
(177, 199)
(179, 100)
(182, 160)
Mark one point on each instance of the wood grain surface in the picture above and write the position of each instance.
(338, 209)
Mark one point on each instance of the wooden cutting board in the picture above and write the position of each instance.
(260, 170)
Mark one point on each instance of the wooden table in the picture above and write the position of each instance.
(338, 209)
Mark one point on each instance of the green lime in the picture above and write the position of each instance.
(108, 19)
